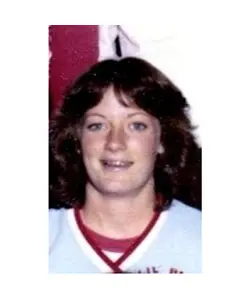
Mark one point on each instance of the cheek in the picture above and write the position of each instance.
(145, 146)
(91, 145)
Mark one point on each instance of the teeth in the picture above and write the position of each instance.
(116, 163)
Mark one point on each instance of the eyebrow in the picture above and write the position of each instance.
(102, 116)
(137, 113)
(93, 114)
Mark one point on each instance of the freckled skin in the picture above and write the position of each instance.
(113, 131)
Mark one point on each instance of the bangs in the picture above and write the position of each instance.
(154, 98)
(134, 82)
(139, 82)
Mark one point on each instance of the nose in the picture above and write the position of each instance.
(116, 140)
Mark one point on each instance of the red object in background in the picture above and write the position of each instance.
(74, 50)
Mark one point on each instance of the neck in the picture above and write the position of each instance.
(118, 216)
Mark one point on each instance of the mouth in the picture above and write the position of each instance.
(116, 165)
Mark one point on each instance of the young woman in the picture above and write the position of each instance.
(125, 175)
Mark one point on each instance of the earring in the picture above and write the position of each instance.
(161, 149)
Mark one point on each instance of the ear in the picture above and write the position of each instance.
(160, 149)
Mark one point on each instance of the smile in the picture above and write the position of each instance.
(116, 164)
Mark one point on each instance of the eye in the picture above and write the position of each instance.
(138, 126)
(95, 126)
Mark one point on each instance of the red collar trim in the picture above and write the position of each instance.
(129, 249)
(109, 244)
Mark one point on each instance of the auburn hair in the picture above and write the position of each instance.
(177, 171)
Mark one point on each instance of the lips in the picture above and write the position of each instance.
(111, 164)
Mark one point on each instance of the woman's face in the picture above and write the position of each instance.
(119, 146)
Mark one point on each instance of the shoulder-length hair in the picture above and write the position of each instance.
(177, 171)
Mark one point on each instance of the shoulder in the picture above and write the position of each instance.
(56, 217)
(184, 228)
(185, 221)
(184, 212)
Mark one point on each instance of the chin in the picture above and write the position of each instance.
(116, 189)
